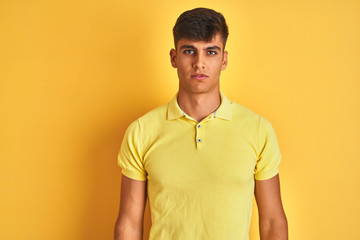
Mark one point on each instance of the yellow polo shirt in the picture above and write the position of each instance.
(200, 174)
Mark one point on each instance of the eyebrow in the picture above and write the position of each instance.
(192, 47)
(213, 47)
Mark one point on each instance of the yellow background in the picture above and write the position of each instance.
(74, 74)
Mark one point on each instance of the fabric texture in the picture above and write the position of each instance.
(200, 175)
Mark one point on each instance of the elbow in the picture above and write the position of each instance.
(125, 230)
(274, 229)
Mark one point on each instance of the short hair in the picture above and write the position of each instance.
(200, 24)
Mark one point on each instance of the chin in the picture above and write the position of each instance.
(203, 89)
(200, 90)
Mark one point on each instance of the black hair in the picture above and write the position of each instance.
(200, 24)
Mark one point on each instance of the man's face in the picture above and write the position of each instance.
(199, 64)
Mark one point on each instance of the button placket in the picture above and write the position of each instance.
(199, 129)
(198, 135)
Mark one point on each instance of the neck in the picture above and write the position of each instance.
(199, 106)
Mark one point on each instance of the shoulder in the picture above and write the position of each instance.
(150, 120)
(243, 113)
(156, 115)
(250, 118)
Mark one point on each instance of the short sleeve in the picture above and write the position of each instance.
(130, 156)
(269, 158)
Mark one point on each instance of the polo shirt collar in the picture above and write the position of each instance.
(223, 112)
(174, 111)
(225, 109)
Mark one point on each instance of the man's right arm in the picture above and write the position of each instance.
(129, 224)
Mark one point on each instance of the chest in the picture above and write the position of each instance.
(224, 156)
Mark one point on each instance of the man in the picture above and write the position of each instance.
(200, 158)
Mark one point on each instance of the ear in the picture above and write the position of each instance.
(225, 61)
(173, 57)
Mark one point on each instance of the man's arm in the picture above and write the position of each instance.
(272, 219)
(129, 224)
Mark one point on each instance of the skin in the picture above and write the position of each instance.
(272, 219)
(198, 97)
(129, 224)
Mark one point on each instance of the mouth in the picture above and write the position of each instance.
(199, 76)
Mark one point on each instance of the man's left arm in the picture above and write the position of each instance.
(272, 219)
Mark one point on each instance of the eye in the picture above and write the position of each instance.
(189, 51)
(211, 52)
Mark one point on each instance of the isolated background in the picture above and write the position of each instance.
(74, 74)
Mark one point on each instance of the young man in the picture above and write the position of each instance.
(200, 158)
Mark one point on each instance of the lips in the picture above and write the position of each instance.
(199, 76)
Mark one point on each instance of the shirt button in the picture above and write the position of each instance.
(199, 140)
(199, 126)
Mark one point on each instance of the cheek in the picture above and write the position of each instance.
(181, 71)
(216, 67)
(180, 68)
(183, 68)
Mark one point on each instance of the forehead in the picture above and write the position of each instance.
(199, 44)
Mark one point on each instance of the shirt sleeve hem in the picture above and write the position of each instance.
(267, 175)
(133, 175)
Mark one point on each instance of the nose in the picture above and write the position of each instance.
(199, 62)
